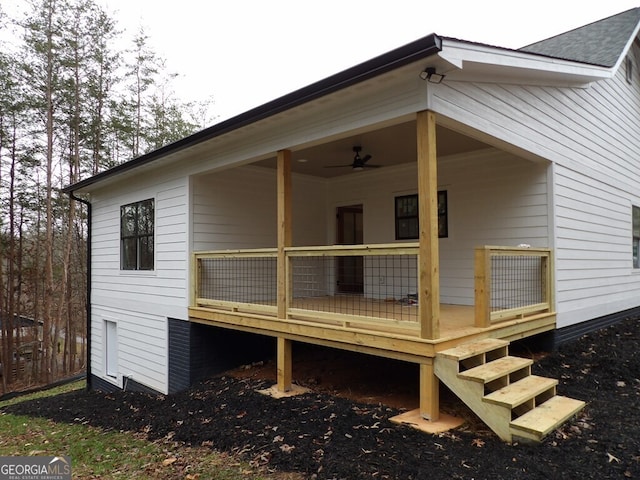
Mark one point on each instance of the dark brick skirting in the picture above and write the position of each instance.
(102, 385)
(197, 351)
(179, 355)
(551, 340)
(573, 332)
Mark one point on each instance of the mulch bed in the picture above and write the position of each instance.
(329, 437)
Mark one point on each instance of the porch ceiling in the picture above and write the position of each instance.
(387, 146)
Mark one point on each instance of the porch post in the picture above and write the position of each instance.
(428, 263)
(284, 365)
(284, 240)
(429, 392)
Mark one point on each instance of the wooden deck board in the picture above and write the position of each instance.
(488, 372)
(538, 422)
(394, 339)
(519, 392)
(467, 350)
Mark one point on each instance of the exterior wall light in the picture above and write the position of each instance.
(429, 74)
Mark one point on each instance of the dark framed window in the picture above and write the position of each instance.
(635, 242)
(407, 222)
(136, 236)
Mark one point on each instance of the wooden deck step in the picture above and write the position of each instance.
(468, 350)
(519, 392)
(491, 371)
(537, 423)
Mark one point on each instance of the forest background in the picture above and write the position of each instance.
(72, 104)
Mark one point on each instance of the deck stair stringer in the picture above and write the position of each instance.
(502, 392)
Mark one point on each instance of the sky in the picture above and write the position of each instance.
(244, 53)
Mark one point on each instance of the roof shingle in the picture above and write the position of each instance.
(598, 43)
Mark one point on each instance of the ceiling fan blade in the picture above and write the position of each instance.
(358, 162)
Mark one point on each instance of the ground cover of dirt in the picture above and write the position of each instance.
(324, 435)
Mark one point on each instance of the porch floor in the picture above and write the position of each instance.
(353, 322)
(454, 319)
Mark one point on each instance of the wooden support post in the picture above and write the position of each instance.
(429, 392)
(482, 272)
(284, 365)
(428, 263)
(284, 228)
(548, 281)
(284, 362)
(194, 281)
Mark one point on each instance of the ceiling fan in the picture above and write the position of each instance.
(359, 163)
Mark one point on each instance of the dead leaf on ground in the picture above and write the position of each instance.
(169, 461)
(612, 458)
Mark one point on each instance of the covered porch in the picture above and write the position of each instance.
(383, 299)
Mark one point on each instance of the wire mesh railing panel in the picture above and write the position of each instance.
(516, 281)
(377, 286)
(251, 280)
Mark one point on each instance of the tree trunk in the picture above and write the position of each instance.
(48, 326)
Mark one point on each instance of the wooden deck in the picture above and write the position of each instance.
(392, 338)
(289, 293)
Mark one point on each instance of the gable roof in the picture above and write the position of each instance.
(599, 43)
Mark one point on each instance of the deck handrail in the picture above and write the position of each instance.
(512, 282)
(345, 250)
(302, 261)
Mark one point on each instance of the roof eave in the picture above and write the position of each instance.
(468, 59)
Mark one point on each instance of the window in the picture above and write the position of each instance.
(635, 246)
(136, 236)
(407, 225)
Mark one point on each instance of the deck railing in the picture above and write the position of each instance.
(345, 285)
(352, 285)
(511, 282)
(373, 286)
(236, 280)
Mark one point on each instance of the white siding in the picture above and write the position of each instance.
(236, 208)
(141, 346)
(140, 302)
(494, 198)
(593, 137)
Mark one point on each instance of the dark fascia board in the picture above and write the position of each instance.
(416, 50)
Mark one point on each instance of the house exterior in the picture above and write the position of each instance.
(505, 204)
